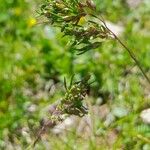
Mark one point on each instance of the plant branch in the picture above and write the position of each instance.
(127, 49)
(71, 104)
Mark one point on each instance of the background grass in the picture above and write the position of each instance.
(34, 58)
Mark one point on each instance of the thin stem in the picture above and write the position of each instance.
(128, 50)
(145, 139)
(42, 129)
(133, 57)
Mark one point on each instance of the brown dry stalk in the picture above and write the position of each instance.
(131, 53)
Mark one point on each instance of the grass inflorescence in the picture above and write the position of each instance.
(66, 15)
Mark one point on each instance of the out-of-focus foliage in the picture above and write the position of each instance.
(34, 58)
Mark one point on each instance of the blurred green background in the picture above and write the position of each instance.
(34, 58)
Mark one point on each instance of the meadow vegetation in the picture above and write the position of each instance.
(35, 58)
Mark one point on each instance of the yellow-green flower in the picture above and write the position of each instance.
(82, 21)
(31, 22)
